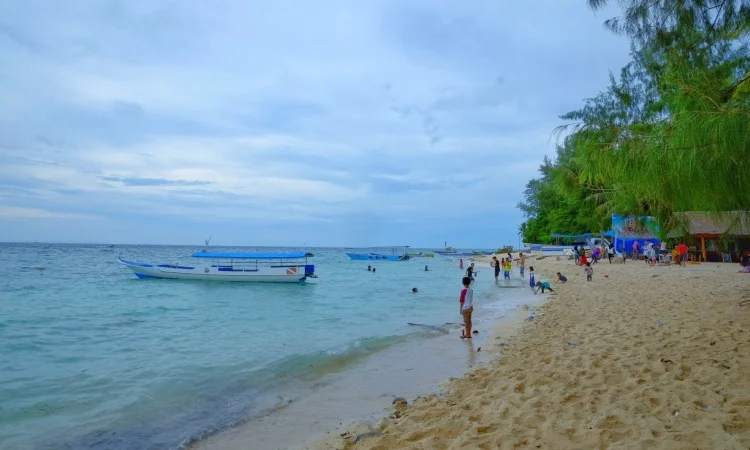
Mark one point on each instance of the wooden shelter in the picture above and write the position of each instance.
(727, 233)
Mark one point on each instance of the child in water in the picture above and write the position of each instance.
(508, 266)
(531, 277)
(467, 306)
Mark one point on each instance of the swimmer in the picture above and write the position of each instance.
(414, 290)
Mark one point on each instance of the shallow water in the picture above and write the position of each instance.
(91, 356)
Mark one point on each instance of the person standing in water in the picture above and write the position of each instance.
(521, 262)
(460, 263)
(531, 277)
(496, 264)
(508, 267)
(467, 307)
(470, 272)
(369, 268)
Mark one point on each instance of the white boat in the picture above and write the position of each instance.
(218, 266)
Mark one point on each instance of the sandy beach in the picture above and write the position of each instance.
(640, 357)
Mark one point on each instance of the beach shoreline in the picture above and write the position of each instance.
(363, 393)
(640, 357)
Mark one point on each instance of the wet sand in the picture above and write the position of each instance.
(640, 357)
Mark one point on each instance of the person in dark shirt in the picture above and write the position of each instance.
(470, 272)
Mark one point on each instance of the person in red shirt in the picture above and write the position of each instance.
(682, 248)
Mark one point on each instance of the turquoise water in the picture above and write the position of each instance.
(92, 357)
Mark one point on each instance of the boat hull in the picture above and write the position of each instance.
(279, 274)
(551, 250)
(376, 257)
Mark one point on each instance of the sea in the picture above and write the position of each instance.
(93, 357)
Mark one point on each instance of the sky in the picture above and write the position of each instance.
(335, 123)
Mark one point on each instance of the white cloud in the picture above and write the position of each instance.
(20, 213)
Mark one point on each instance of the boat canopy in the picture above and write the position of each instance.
(249, 255)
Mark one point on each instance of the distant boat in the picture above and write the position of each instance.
(421, 255)
(447, 251)
(376, 256)
(371, 256)
(218, 266)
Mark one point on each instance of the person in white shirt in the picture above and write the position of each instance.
(467, 307)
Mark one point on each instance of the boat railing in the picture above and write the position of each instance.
(255, 264)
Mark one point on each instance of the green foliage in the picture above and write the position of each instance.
(671, 133)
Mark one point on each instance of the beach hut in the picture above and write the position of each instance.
(716, 237)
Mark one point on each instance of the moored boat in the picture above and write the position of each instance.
(376, 256)
(396, 255)
(220, 266)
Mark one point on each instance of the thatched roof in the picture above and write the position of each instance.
(729, 223)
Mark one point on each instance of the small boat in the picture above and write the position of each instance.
(421, 255)
(376, 256)
(219, 266)
(371, 256)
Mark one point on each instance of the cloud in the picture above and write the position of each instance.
(353, 124)
(154, 182)
(19, 213)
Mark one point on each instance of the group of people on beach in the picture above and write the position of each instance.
(597, 254)
(505, 264)
(466, 298)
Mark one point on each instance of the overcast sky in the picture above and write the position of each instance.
(339, 123)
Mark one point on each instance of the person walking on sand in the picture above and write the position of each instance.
(521, 262)
(575, 253)
(589, 271)
(610, 252)
(466, 301)
(496, 264)
(683, 249)
(581, 255)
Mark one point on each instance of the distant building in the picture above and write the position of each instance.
(714, 237)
